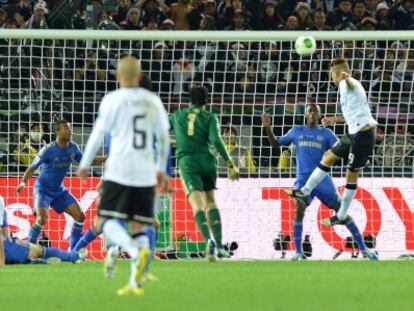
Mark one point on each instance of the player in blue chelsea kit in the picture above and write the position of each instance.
(21, 252)
(55, 160)
(311, 141)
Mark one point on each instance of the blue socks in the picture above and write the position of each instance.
(351, 226)
(297, 236)
(151, 233)
(34, 233)
(76, 234)
(87, 238)
(64, 256)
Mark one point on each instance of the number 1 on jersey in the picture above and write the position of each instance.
(191, 119)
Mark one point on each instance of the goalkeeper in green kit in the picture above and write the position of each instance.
(196, 130)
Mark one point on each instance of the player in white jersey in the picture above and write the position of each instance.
(133, 117)
(2, 256)
(356, 145)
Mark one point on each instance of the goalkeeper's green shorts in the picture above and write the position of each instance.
(197, 173)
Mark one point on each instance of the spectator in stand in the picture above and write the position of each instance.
(286, 8)
(207, 23)
(121, 14)
(302, 12)
(291, 24)
(271, 18)
(159, 67)
(368, 24)
(255, 9)
(210, 9)
(25, 11)
(89, 77)
(384, 22)
(319, 21)
(133, 20)
(102, 17)
(371, 6)
(226, 20)
(359, 11)
(179, 14)
(168, 24)
(38, 19)
(401, 13)
(3, 17)
(30, 146)
(183, 74)
(239, 21)
(397, 148)
(316, 5)
(152, 10)
(342, 17)
(151, 25)
(241, 155)
(195, 15)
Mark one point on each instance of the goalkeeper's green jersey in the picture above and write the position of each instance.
(196, 130)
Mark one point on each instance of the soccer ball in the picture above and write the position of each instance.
(305, 45)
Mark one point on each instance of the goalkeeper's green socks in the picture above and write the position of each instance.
(201, 221)
(215, 225)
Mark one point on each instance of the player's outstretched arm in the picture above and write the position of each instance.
(267, 125)
(26, 177)
(217, 141)
(328, 121)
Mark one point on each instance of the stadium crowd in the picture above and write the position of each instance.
(235, 73)
(217, 14)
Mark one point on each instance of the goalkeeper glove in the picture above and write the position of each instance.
(233, 170)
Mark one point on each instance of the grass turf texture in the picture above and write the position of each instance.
(199, 285)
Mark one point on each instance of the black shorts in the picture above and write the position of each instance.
(127, 203)
(356, 147)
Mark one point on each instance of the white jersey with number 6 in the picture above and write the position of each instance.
(354, 106)
(133, 117)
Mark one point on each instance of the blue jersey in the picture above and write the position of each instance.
(55, 163)
(310, 144)
(107, 144)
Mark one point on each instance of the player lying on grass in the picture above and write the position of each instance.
(311, 141)
(22, 252)
(55, 160)
(357, 145)
(195, 131)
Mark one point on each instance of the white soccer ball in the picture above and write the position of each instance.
(305, 45)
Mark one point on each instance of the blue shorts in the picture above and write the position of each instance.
(325, 192)
(58, 200)
(16, 252)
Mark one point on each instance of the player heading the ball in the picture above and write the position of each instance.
(356, 145)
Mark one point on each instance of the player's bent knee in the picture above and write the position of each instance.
(81, 217)
(42, 219)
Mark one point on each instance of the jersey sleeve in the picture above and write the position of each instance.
(40, 158)
(216, 139)
(103, 124)
(288, 138)
(78, 154)
(331, 138)
(161, 130)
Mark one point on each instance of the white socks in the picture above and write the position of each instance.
(346, 200)
(315, 178)
(114, 231)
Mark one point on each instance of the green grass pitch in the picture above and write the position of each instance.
(230, 285)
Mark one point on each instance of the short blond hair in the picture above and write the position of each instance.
(340, 64)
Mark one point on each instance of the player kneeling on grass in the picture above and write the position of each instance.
(21, 252)
(311, 141)
(195, 130)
